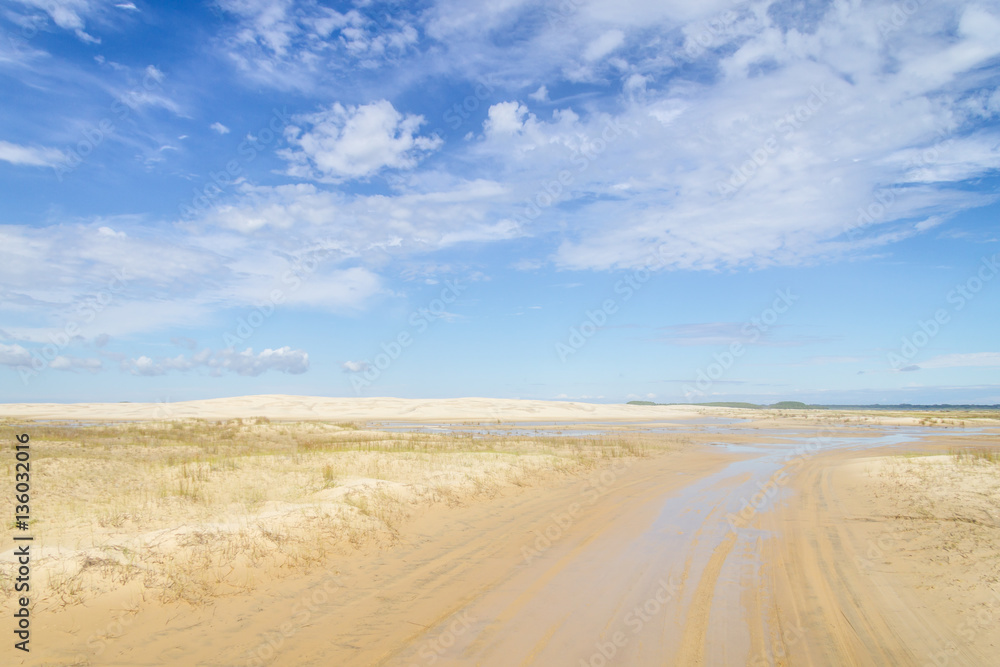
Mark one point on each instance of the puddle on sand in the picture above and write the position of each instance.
(713, 514)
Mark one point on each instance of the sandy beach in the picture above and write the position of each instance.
(280, 407)
(276, 530)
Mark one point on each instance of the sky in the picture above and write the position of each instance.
(577, 199)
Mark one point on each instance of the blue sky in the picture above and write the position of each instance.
(582, 199)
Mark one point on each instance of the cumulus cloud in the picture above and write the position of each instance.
(353, 142)
(505, 118)
(246, 363)
(14, 355)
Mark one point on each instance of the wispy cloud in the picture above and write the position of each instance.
(30, 155)
(972, 359)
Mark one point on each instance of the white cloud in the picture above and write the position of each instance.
(670, 180)
(70, 363)
(505, 118)
(68, 15)
(973, 359)
(353, 142)
(540, 95)
(245, 363)
(376, 225)
(107, 231)
(355, 366)
(30, 156)
(603, 45)
(70, 273)
(652, 181)
(295, 45)
(219, 127)
(14, 355)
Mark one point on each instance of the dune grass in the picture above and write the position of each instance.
(976, 455)
(194, 509)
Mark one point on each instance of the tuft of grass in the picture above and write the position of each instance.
(979, 455)
(329, 476)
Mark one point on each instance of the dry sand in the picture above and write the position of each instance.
(352, 409)
(755, 544)
(450, 410)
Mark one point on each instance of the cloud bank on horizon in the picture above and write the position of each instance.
(301, 178)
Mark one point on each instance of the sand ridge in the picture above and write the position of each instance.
(276, 406)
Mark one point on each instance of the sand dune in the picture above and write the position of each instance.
(276, 406)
